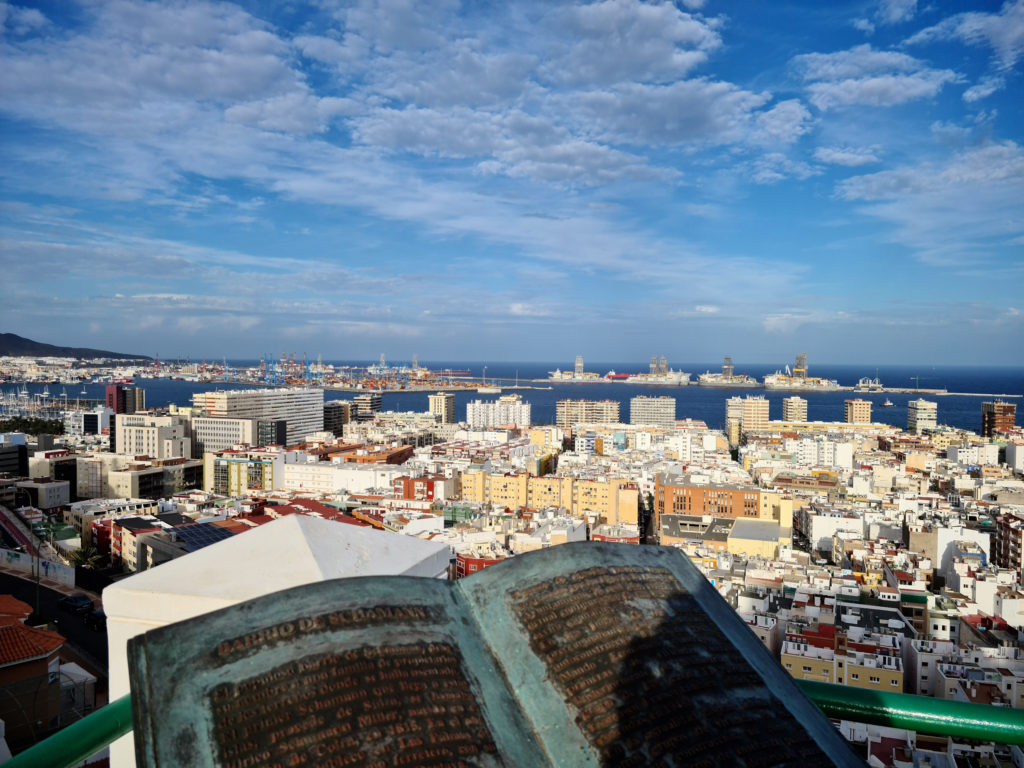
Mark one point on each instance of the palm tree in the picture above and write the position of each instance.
(87, 557)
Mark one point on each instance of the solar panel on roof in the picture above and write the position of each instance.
(198, 536)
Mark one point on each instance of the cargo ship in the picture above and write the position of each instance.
(727, 378)
(666, 378)
(797, 380)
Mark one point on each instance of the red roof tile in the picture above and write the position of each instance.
(12, 606)
(21, 643)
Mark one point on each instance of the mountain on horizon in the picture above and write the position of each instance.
(12, 345)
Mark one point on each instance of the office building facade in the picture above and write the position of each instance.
(302, 409)
(653, 411)
(570, 412)
(921, 415)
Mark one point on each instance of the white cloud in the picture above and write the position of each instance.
(326, 50)
(707, 309)
(864, 25)
(294, 112)
(983, 89)
(862, 75)
(786, 122)
(785, 322)
(615, 41)
(20, 21)
(954, 213)
(775, 166)
(895, 11)
(1003, 32)
(849, 156)
(459, 73)
(698, 111)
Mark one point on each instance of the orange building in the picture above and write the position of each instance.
(683, 497)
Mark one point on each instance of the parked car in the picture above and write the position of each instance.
(78, 603)
(96, 620)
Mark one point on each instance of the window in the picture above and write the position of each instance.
(874, 679)
(854, 676)
(807, 669)
(924, 663)
(893, 683)
(789, 666)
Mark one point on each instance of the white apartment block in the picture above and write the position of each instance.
(820, 452)
(794, 409)
(211, 434)
(328, 477)
(159, 437)
(303, 409)
(509, 409)
(570, 412)
(921, 415)
(660, 411)
(1015, 456)
(980, 453)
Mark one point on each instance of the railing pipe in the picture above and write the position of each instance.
(80, 740)
(72, 745)
(924, 714)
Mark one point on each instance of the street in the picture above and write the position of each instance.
(89, 644)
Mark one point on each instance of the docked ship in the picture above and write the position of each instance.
(660, 375)
(577, 374)
(727, 378)
(867, 384)
(668, 378)
(797, 380)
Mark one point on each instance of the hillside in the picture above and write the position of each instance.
(12, 345)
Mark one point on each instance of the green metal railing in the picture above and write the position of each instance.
(924, 714)
(78, 741)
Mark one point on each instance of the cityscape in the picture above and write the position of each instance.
(862, 554)
(390, 383)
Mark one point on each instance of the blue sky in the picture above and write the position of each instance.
(516, 180)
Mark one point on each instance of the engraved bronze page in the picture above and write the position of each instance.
(392, 675)
(616, 662)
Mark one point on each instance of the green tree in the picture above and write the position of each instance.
(32, 426)
(87, 557)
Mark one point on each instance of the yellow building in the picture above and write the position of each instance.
(876, 672)
(871, 671)
(807, 662)
(756, 538)
(615, 500)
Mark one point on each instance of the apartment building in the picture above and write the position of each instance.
(570, 412)
(794, 409)
(302, 409)
(659, 411)
(857, 411)
(442, 405)
(921, 415)
(508, 410)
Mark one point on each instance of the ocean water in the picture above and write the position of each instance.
(703, 403)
